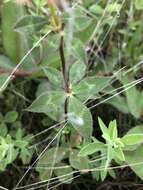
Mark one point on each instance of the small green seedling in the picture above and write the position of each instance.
(113, 147)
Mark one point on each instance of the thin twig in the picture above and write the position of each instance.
(16, 73)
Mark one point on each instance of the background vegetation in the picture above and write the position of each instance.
(71, 98)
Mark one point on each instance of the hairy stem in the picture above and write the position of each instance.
(63, 64)
(64, 71)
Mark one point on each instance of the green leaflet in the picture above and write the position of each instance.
(96, 9)
(85, 34)
(43, 88)
(89, 87)
(113, 132)
(50, 103)
(139, 4)
(16, 45)
(3, 129)
(78, 162)
(22, 142)
(135, 160)
(104, 130)
(134, 97)
(11, 116)
(64, 173)
(10, 13)
(91, 148)
(54, 76)
(3, 78)
(132, 139)
(6, 63)
(48, 159)
(119, 103)
(134, 101)
(81, 20)
(134, 130)
(51, 45)
(77, 72)
(30, 24)
(80, 117)
(79, 51)
(119, 153)
(11, 147)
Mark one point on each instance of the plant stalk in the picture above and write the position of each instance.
(64, 71)
(63, 64)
